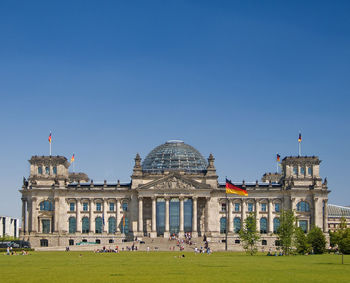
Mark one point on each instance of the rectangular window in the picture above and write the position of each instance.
(46, 226)
(111, 206)
(125, 206)
(85, 206)
(54, 170)
(263, 207)
(40, 170)
(237, 206)
(295, 170)
(277, 207)
(250, 207)
(223, 207)
(72, 206)
(303, 225)
(98, 207)
(47, 170)
(302, 171)
(309, 171)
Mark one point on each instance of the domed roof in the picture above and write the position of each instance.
(174, 155)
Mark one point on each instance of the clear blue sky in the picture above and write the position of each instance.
(238, 79)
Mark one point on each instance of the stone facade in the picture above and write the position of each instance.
(59, 209)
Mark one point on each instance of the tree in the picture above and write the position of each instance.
(286, 230)
(317, 240)
(301, 243)
(341, 237)
(249, 234)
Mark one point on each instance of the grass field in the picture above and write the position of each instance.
(168, 267)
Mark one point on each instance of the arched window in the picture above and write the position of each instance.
(263, 225)
(54, 170)
(237, 224)
(46, 205)
(40, 170)
(111, 225)
(302, 170)
(222, 225)
(47, 170)
(276, 224)
(303, 206)
(125, 225)
(85, 225)
(98, 225)
(72, 225)
(309, 171)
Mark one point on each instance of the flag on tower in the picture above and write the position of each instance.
(278, 157)
(72, 159)
(232, 189)
(299, 139)
(50, 137)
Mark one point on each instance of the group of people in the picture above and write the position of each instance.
(202, 250)
(10, 251)
(274, 254)
(109, 250)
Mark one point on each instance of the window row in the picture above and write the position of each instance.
(98, 206)
(250, 207)
(303, 171)
(237, 225)
(47, 170)
(99, 225)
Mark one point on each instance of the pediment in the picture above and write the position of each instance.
(174, 182)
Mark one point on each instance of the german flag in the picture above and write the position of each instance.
(278, 157)
(50, 137)
(299, 139)
(232, 189)
(72, 159)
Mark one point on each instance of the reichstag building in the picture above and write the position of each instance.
(175, 190)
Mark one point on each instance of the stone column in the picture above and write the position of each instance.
(181, 216)
(243, 212)
(154, 217)
(117, 216)
(140, 215)
(315, 222)
(230, 216)
(78, 220)
(24, 222)
(34, 216)
(325, 216)
(194, 217)
(105, 215)
(56, 217)
(270, 228)
(91, 216)
(257, 213)
(206, 219)
(292, 203)
(166, 233)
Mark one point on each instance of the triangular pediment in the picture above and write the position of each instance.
(174, 182)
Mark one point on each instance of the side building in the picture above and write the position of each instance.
(9, 226)
(173, 191)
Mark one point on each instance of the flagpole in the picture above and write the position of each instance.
(226, 221)
(50, 143)
(300, 148)
(276, 163)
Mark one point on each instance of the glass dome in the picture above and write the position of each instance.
(174, 155)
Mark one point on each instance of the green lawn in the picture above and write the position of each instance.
(167, 267)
